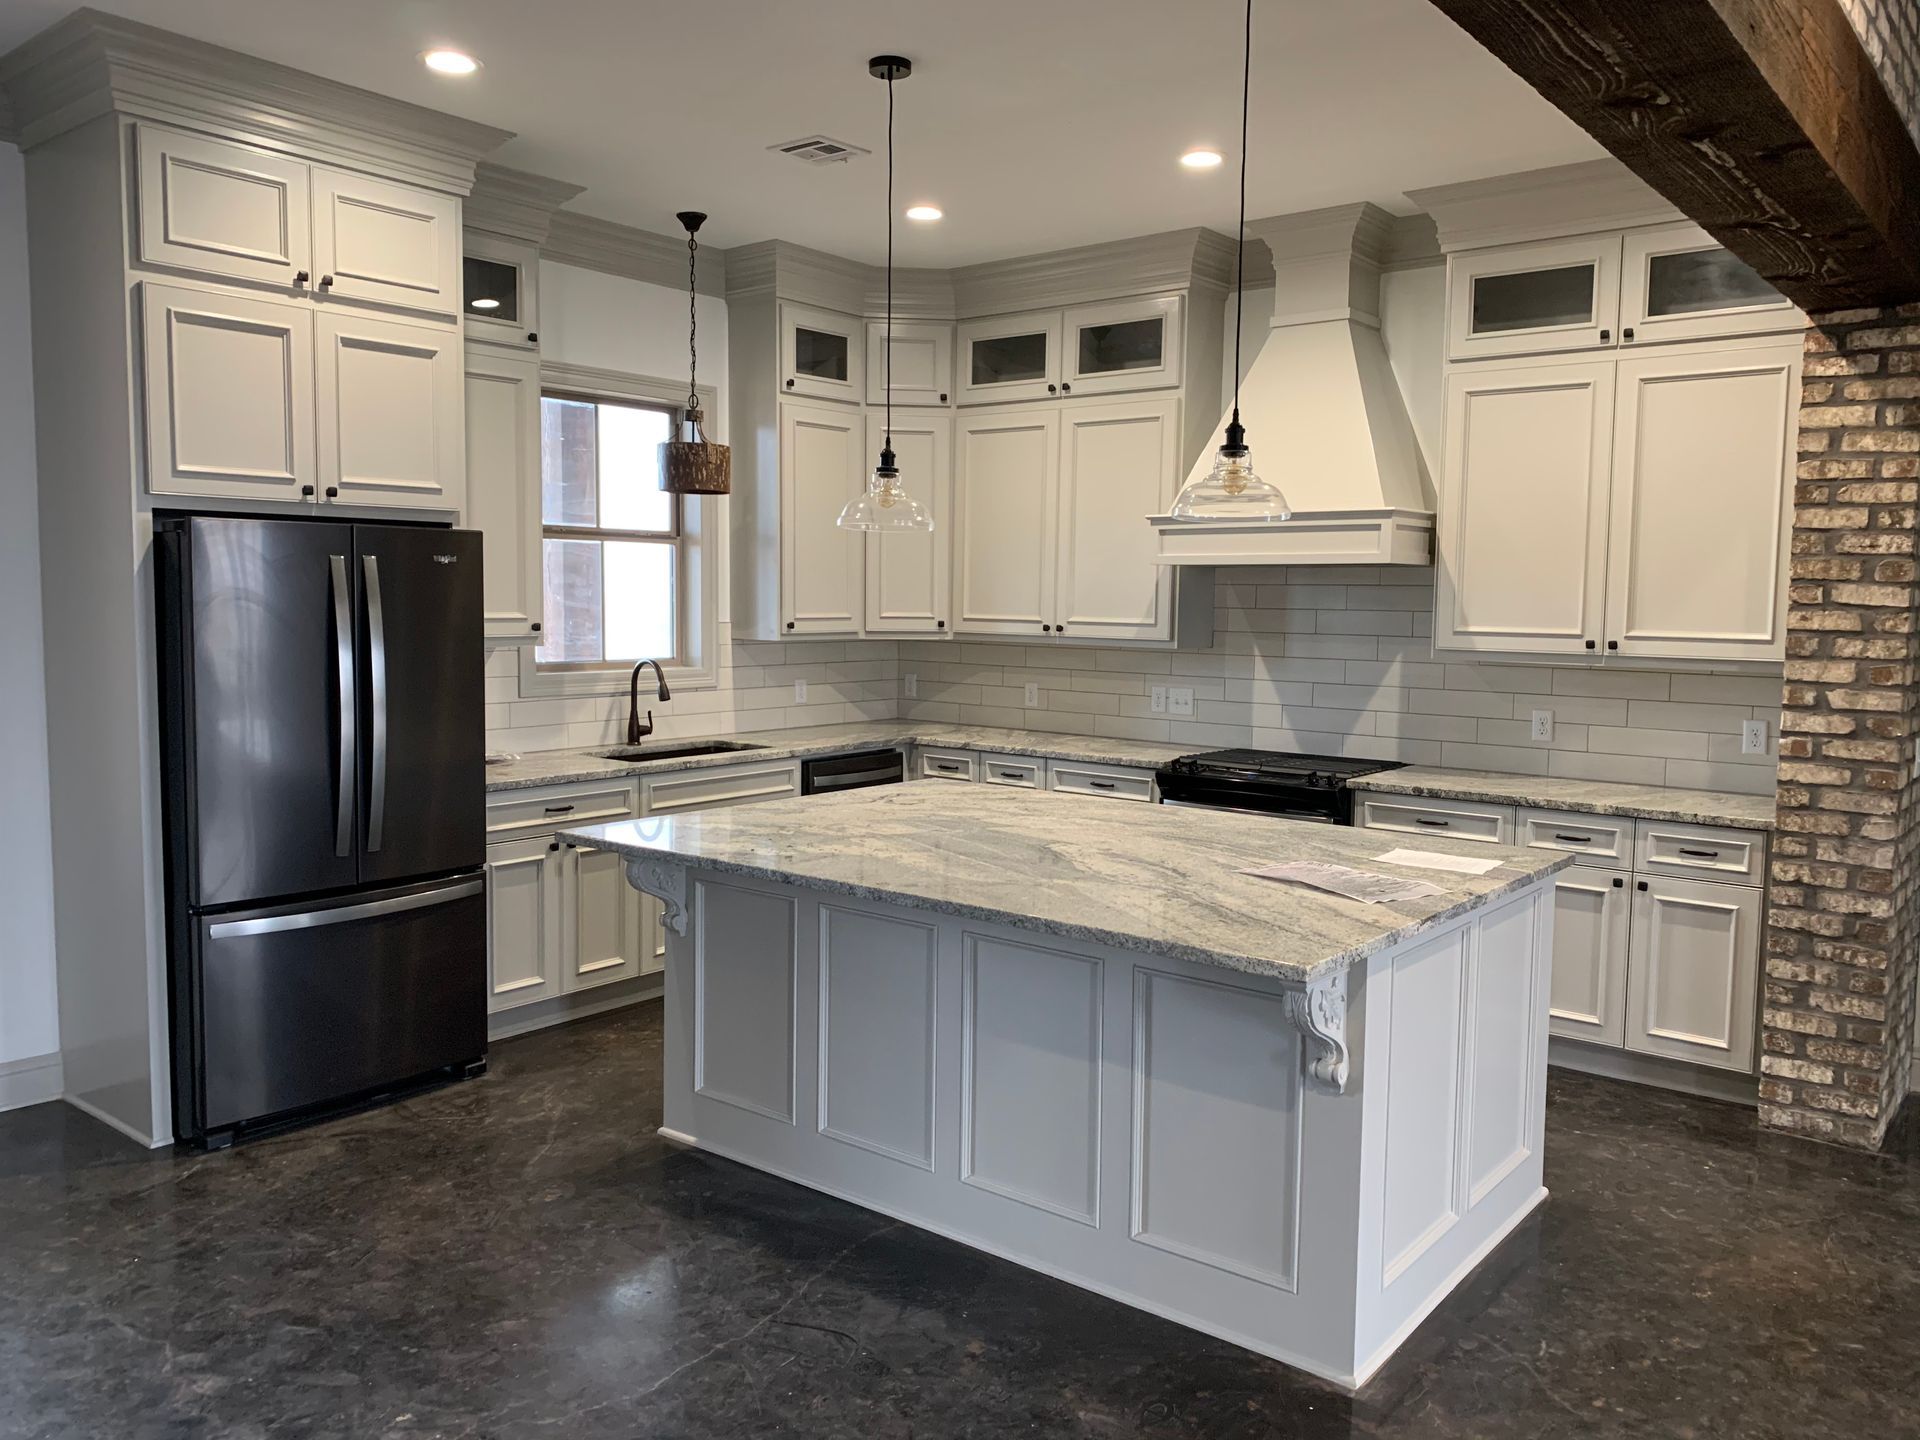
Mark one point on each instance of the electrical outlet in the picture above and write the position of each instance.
(1753, 737)
(799, 692)
(1159, 700)
(910, 685)
(1542, 725)
(1180, 700)
(1030, 695)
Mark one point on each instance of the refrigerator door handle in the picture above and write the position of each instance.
(346, 719)
(342, 914)
(377, 674)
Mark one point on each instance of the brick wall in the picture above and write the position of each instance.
(1890, 32)
(1843, 913)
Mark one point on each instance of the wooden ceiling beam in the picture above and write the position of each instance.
(1763, 120)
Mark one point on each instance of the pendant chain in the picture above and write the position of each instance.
(693, 328)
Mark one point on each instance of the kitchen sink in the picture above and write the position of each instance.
(675, 752)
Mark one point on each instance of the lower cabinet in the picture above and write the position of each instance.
(1589, 992)
(561, 919)
(1692, 970)
(523, 922)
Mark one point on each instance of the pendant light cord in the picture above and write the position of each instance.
(1240, 234)
(888, 358)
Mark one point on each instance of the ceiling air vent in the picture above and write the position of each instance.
(820, 150)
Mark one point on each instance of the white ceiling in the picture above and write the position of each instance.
(1035, 124)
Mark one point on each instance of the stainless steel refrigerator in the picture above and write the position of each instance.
(323, 744)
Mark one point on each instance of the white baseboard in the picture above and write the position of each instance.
(523, 1019)
(1654, 1070)
(31, 1081)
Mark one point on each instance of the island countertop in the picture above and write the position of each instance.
(1148, 879)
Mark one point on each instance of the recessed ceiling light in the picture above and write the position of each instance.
(924, 212)
(450, 62)
(1200, 159)
(486, 302)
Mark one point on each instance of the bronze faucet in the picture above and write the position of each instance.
(636, 730)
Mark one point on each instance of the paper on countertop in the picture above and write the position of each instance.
(1434, 860)
(1362, 885)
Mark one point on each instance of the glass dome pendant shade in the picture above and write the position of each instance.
(1231, 490)
(886, 505)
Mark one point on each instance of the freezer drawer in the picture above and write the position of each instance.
(308, 1005)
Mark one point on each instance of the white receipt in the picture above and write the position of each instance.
(1434, 860)
(1343, 880)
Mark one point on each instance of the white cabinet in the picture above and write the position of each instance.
(390, 404)
(1676, 283)
(1591, 906)
(221, 209)
(1693, 966)
(1104, 782)
(523, 922)
(908, 574)
(1704, 450)
(1005, 480)
(822, 466)
(922, 362)
(1522, 543)
(1009, 357)
(500, 290)
(1117, 466)
(1421, 815)
(1119, 345)
(503, 487)
(601, 919)
(820, 354)
(229, 390)
(385, 243)
(1528, 299)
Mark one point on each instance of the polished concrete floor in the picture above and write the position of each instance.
(520, 1256)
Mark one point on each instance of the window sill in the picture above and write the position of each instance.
(537, 684)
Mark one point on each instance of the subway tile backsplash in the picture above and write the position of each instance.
(1333, 660)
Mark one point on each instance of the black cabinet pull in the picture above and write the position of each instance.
(306, 490)
(1605, 336)
(943, 397)
(1618, 883)
(532, 338)
(554, 847)
(1059, 629)
(299, 277)
(1436, 824)
(789, 384)
(1590, 645)
(939, 624)
(326, 282)
(1574, 839)
(789, 624)
(1613, 644)
(535, 627)
(1627, 334)
(1046, 627)
(1010, 775)
(1700, 854)
(1065, 388)
(1101, 784)
(333, 492)
(1642, 884)
(1053, 389)
(559, 809)
(946, 768)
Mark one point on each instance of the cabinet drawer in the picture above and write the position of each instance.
(1703, 852)
(1018, 770)
(720, 785)
(1107, 781)
(1605, 840)
(947, 765)
(513, 813)
(1457, 819)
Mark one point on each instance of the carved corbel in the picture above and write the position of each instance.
(1319, 1012)
(666, 880)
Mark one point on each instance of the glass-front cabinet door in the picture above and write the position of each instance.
(497, 291)
(1127, 345)
(820, 354)
(1010, 357)
(1677, 284)
(1534, 299)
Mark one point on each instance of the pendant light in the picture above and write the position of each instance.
(695, 465)
(886, 505)
(1231, 490)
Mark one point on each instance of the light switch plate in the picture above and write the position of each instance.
(1753, 737)
(1159, 699)
(910, 685)
(1180, 700)
(799, 692)
(1031, 695)
(1542, 725)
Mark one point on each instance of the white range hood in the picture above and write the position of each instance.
(1324, 415)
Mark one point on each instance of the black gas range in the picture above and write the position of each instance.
(1268, 782)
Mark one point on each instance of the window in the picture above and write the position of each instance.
(611, 537)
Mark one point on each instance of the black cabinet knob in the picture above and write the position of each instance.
(554, 846)
(532, 339)
(1618, 883)
(1641, 884)
(939, 624)
(299, 277)
(789, 624)
(1590, 645)
(535, 627)
(1065, 388)
(326, 282)
(307, 490)
(789, 384)
(1627, 334)
(1053, 389)
(1046, 627)
(1613, 644)
(943, 397)
(1605, 336)
(333, 492)
(1059, 629)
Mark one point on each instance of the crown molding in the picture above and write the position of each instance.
(615, 249)
(92, 64)
(1542, 204)
(1174, 260)
(799, 273)
(514, 203)
(917, 294)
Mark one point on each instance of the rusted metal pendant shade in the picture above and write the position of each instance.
(694, 465)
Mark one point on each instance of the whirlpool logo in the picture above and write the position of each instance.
(446, 559)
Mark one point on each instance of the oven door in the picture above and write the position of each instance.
(1281, 802)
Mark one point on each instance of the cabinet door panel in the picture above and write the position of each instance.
(523, 923)
(1010, 357)
(1677, 284)
(1117, 465)
(221, 209)
(822, 467)
(907, 570)
(503, 487)
(1127, 345)
(1534, 299)
(391, 244)
(1590, 915)
(1523, 540)
(229, 395)
(1704, 453)
(820, 354)
(1005, 478)
(390, 404)
(1692, 969)
(922, 362)
(602, 919)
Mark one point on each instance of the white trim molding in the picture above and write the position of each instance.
(515, 203)
(33, 1080)
(614, 249)
(1589, 196)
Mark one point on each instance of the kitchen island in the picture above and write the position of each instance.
(1070, 1032)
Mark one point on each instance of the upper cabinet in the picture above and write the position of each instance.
(907, 570)
(503, 488)
(822, 467)
(1677, 284)
(820, 354)
(499, 291)
(1086, 350)
(384, 243)
(922, 362)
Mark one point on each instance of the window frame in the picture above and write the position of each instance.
(698, 545)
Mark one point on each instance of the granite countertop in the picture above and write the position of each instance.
(561, 767)
(1141, 878)
(1590, 797)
